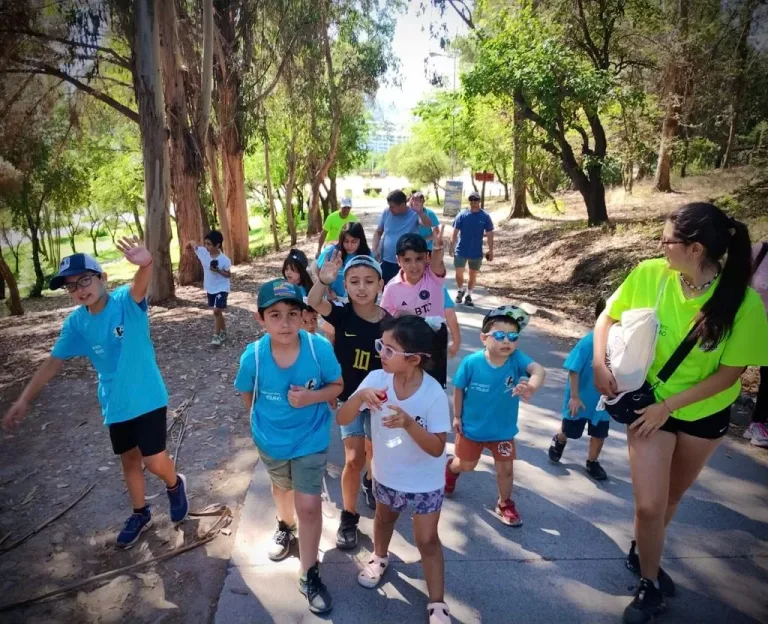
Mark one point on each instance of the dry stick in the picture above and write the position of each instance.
(50, 520)
(179, 411)
(182, 431)
(226, 516)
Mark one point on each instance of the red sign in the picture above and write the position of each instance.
(484, 176)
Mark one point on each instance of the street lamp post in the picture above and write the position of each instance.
(453, 56)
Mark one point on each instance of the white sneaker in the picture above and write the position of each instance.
(216, 340)
(759, 435)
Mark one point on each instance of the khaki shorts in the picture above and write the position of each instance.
(301, 474)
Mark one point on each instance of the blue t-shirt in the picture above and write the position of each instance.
(282, 431)
(579, 361)
(490, 411)
(338, 284)
(448, 302)
(471, 226)
(425, 231)
(117, 342)
(394, 227)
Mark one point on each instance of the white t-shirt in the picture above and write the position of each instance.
(213, 282)
(406, 467)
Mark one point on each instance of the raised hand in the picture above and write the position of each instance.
(331, 267)
(134, 251)
(438, 244)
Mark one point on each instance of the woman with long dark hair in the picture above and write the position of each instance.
(702, 286)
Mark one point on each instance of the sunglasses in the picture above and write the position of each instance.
(666, 243)
(83, 282)
(499, 335)
(387, 352)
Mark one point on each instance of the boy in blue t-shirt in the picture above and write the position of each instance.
(486, 401)
(287, 378)
(112, 330)
(580, 406)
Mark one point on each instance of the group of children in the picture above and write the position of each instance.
(382, 366)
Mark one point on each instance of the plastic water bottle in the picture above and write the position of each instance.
(391, 437)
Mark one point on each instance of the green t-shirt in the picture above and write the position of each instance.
(747, 345)
(333, 224)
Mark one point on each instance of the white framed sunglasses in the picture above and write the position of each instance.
(387, 352)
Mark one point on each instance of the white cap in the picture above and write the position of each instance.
(346, 202)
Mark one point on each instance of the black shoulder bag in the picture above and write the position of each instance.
(624, 410)
(760, 257)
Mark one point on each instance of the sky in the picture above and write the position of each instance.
(412, 44)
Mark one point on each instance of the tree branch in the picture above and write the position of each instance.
(119, 59)
(463, 11)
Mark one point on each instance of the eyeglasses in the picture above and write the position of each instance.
(666, 243)
(387, 352)
(499, 335)
(83, 282)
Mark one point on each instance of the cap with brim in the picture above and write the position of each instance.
(346, 202)
(411, 242)
(474, 197)
(513, 313)
(365, 261)
(278, 290)
(76, 264)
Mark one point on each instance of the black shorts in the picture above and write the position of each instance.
(439, 368)
(218, 300)
(147, 432)
(574, 428)
(710, 427)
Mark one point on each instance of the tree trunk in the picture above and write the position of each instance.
(594, 197)
(333, 193)
(669, 130)
(506, 192)
(37, 287)
(742, 50)
(14, 301)
(300, 201)
(684, 157)
(270, 196)
(186, 166)
(137, 220)
(149, 95)
(234, 178)
(288, 205)
(72, 243)
(212, 155)
(437, 192)
(520, 153)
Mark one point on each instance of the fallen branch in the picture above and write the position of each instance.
(179, 411)
(225, 517)
(50, 520)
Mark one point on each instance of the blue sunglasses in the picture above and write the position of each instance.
(499, 335)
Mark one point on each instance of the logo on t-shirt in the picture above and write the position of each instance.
(509, 381)
(424, 295)
(311, 384)
(118, 331)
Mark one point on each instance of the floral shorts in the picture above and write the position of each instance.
(418, 503)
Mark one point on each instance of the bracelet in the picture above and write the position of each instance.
(322, 282)
(669, 409)
(144, 266)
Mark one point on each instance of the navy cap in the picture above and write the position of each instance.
(474, 196)
(76, 264)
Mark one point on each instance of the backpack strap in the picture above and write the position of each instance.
(760, 257)
(255, 377)
(674, 361)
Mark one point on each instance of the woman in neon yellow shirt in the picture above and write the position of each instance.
(671, 440)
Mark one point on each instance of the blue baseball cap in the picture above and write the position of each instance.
(278, 290)
(76, 264)
(365, 261)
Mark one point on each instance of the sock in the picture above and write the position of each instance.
(469, 291)
(173, 487)
(142, 510)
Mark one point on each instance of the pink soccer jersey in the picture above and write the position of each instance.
(423, 299)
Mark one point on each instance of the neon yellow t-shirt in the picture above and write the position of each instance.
(333, 224)
(747, 345)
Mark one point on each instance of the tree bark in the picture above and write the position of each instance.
(149, 92)
(288, 205)
(332, 192)
(137, 221)
(520, 153)
(34, 237)
(14, 300)
(219, 200)
(270, 196)
(237, 213)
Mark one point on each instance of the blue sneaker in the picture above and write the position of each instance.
(134, 527)
(177, 497)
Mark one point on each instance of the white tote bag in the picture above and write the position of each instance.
(631, 348)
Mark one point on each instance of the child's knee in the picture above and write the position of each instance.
(355, 461)
(428, 543)
(504, 468)
(218, 312)
(308, 508)
(131, 460)
(467, 466)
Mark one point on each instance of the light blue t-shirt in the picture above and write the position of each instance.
(117, 342)
(282, 431)
(490, 411)
(394, 227)
(425, 231)
(338, 284)
(579, 361)
(448, 302)
(472, 226)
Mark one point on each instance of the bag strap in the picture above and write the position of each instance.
(674, 361)
(760, 257)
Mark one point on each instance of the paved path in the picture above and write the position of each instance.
(565, 564)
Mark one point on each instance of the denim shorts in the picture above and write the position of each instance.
(419, 503)
(359, 427)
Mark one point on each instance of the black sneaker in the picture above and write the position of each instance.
(346, 536)
(647, 603)
(596, 471)
(459, 296)
(317, 594)
(468, 301)
(666, 584)
(556, 449)
(282, 541)
(367, 489)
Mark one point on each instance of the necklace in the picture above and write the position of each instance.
(703, 286)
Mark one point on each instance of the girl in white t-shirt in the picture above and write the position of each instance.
(409, 422)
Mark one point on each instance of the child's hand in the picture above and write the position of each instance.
(14, 415)
(398, 420)
(575, 405)
(299, 397)
(438, 244)
(331, 267)
(524, 390)
(453, 349)
(372, 397)
(191, 245)
(457, 424)
(134, 251)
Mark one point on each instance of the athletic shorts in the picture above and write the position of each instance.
(147, 432)
(302, 474)
(359, 427)
(419, 503)
(710, 427)
(218, 300)
(470, 450)
(474, 263)
(573, 428)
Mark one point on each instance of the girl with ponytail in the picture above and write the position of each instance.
(703, 294)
